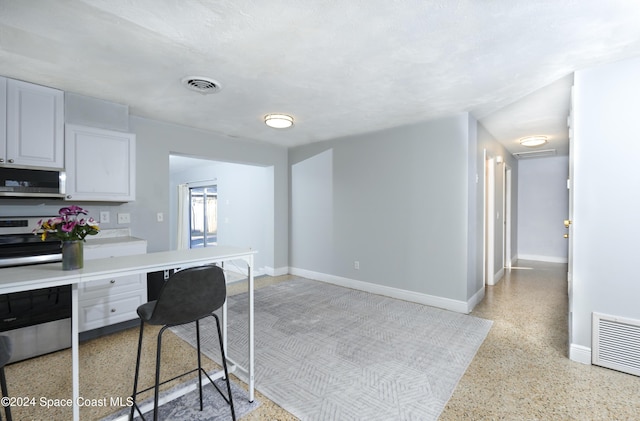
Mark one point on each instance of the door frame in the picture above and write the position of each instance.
(570, 191)
(506, 213)
(489, 220)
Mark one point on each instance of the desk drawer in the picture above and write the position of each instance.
(101, 312)
(112, 285)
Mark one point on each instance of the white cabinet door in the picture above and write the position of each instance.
(3, 120)
(101, 312)
(110, 300)
(100, 164)
(35, 125)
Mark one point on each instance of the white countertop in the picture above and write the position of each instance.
(24, 278)
(105, 241)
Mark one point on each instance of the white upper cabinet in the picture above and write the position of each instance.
(100, 164)
(34, 126)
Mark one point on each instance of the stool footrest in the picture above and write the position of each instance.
(170, 380)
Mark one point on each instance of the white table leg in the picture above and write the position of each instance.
(75, 354)
(251, 378)
(224, 322)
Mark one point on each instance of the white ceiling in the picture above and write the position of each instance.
(339, 68)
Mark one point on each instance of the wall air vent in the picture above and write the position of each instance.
(534, 154)
(616, 343)
(201, 84)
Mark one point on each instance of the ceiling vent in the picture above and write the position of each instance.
(201, 84)
(534, 154)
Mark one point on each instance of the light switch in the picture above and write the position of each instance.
(160, 216)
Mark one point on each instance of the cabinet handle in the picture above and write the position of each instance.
(68, 196)
(113, 310)
(11, 161)
(1, 160)
(113, 281)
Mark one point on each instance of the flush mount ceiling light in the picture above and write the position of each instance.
(533, 141)
(201, 84)
(278, 121)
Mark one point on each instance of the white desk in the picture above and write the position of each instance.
(42, 276)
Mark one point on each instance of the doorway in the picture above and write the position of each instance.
(225, 203)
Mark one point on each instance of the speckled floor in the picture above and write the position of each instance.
(520, 372)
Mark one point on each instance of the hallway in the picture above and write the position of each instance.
(522, 372)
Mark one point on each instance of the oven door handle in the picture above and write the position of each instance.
(29, 260)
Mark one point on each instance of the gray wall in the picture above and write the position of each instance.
(400, 205)
(543, 203)
(157, 140)
(606, 176)
(405, 202)
(312, 212)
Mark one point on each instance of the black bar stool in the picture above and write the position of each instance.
(5, 355)
(188, 296)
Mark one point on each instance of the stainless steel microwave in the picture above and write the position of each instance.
(20, 182)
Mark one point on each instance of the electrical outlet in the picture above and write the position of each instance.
(160, 216)
(356, 265)
(124, 218)
(104, 217)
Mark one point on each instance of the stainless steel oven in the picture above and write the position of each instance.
(38, 321)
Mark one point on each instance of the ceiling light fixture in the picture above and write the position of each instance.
(533, 141)
(278, 121)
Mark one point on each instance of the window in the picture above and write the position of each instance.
(204, 216)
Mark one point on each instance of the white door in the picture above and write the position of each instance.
(506, 241)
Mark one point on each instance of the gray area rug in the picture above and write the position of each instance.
(324, 352)
(187, 407)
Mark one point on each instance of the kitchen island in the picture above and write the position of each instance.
(26, 278)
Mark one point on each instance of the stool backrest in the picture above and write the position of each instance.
(189, 295)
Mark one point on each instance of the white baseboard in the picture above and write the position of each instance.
(475, 300)
(401, 294)
(232, 267)
(498, 276)
(276, 271)
(580, 354)
(549, 259)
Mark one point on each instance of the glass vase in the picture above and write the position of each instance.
(72, 255)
